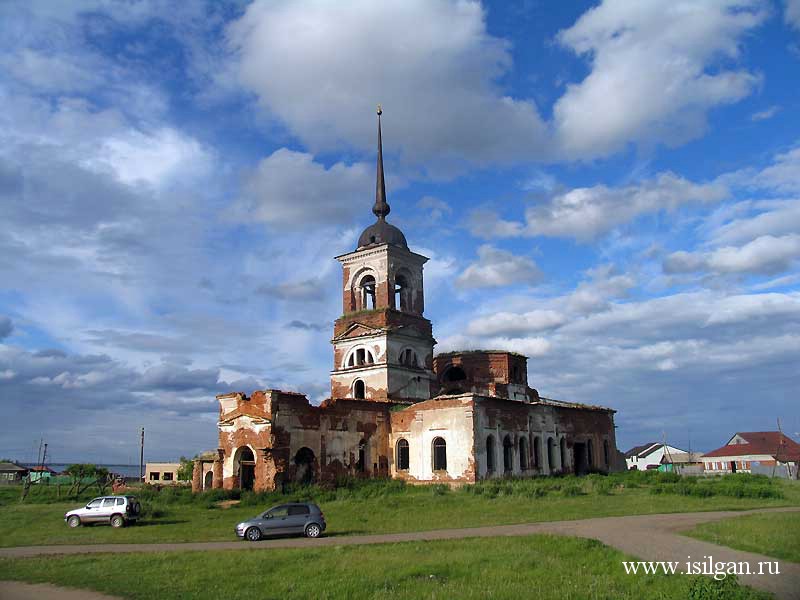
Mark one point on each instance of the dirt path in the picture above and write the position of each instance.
(14, 590)
(649, 537)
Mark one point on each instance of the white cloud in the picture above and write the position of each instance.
(321, 67)
(765, 255)
(792, 13)
(498, 268)
(290, 189)
(515, 325)
(154, 158)
(782, 176)
(779, 218)
(657, 69)
(487, 224)
(605, 283)
(585, 213)
(765, 114)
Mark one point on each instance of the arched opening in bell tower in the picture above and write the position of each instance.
(402, 293)
(367, 287)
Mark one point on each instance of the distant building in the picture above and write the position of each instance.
(687, 463)
(161, 473)
(41, 473)
(648, 456)
(753, 451)
(11, 473)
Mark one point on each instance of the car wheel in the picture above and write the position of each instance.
(253, 534)
(74, 521)
(313, 530)
(117, 521)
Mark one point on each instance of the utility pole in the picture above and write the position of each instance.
(141, 458)
(39, 454)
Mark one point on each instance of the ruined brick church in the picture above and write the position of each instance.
(395, 409)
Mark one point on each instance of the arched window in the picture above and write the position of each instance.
(402, 300)
(409, 358)
(508, 455)
(359, 389)
(563, 448)
(551, 455)
(360, 357)
(452, 378)
(523, 454)
(367, 286)
(439, 454)
(590, 453)
(490, 454)
(402, 459)
(537, 452)
(606, 460)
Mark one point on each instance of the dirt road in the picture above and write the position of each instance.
(648, 537)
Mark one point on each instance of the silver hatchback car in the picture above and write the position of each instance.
(297, 517)
(117, 511)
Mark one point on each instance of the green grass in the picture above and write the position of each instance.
(389, 507)
(544, 567)
(775, 534)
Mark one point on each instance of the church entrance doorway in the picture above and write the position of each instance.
(246, 468)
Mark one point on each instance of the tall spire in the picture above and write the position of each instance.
(381, 207)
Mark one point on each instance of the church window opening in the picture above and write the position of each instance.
(409, 358)
(368, 293)
(439, 454)
(551, 455)
(359, 390)
(523, 454)
(361, 357)
(402, 455)
(590, 453)
(401, 295)
(563, 447)
(361, 466)
(452, 379)
(605, 453)
(490, 454)
(537, 452)
(508, 455)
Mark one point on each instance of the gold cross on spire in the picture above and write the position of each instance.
(380, 110)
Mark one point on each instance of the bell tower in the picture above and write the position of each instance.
(383, 346)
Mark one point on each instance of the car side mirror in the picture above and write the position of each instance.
(88, 507)
(266, 516)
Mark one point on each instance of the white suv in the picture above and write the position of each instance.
(118, 511)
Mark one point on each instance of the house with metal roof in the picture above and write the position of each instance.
(751, 451)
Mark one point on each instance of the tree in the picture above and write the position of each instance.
(85, 475)
(186, 469)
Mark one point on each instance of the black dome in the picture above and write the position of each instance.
(382, 232)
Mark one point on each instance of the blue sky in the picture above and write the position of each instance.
(611, 189)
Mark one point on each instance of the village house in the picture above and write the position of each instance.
(11, 473)
(395, 409)
(650, 456)
(755, 452)
(161, 473)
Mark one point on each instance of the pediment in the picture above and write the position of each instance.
(358, 330)
(238, 417)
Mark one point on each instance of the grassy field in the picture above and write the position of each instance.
(390, 506)
(544, 567)
(776, 534)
